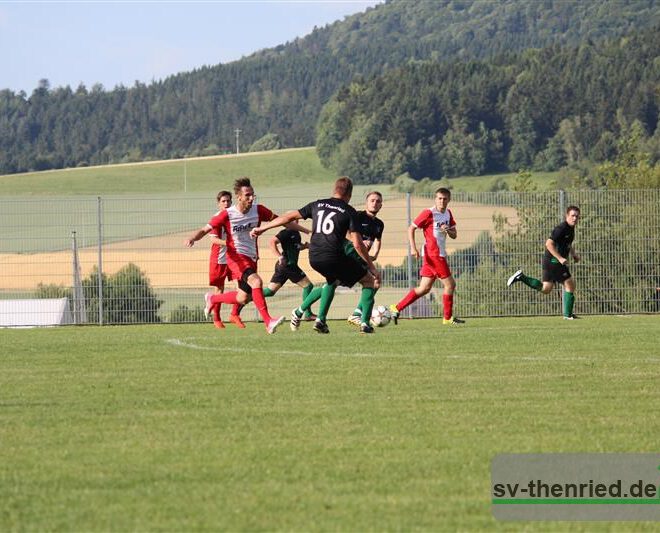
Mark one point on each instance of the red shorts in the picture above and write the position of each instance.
(217, 274)
(435, 267)
(237, 264)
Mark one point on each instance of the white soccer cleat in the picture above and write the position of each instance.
(516, 277)
(208, 306)
(273, 324)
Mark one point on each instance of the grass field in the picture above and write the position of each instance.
(180, 428)
(295, 171)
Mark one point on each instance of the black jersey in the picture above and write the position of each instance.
(371, 228)
(331, 219)
(291, 242)
(562, 236)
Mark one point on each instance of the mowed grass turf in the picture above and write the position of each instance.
(184, 427)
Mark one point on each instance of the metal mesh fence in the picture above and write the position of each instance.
(53, 249)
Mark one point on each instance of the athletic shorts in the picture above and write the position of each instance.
(240, 269)
(344, 269)
(555, 272)
(217, 274)
(286, 273)
(435, 267)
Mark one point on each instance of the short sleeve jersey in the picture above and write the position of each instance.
(371, 228)
(290, 241)
(237, 227)
(331, 218)
(220, 252)
(429, 221)
(563, 236)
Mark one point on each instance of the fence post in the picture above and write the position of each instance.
(562, 203)
(99, 212)
(411, 282)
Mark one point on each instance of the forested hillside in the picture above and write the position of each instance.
(539, 109)
(281, 91)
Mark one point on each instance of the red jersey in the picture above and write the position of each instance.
(237, 227)
(429, 221)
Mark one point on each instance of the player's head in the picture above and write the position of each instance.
(572, 215)
(442, 198)
(374, 202)
(343, 188)
(224, 199)
(244, 193)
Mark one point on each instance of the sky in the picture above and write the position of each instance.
(121, 42)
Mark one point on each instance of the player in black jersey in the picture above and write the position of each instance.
(332, 220)
(371, 230)
(286, 267)
(558, 248)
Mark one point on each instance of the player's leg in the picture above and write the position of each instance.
(569, 298)
(272, 289)
(366, 303)
(256, 284)
(307, 288)
(448, 317)
(531, 282)
(424, 287)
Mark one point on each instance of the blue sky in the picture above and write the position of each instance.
(120, 42)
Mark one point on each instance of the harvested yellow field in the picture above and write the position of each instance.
(169, 264)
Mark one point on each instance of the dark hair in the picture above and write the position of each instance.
(240, 183)
(443, 190)
(344, 186)
(222, 194)
(572, 208)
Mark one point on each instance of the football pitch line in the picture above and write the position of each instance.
(244, 350)
(191, 344)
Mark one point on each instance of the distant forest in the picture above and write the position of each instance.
(540, 109)
(275, 96)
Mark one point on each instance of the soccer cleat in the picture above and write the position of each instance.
(395, 314)
(355, 320)
(311, 317)
(366, 328)
(272, 325)
(516, 277)
(321, 327)
(236, 320)
(571, 317)
(295, 321)
(208, 306)
(218, 324)
(453, 321)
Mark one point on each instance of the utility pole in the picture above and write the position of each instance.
(237, 132)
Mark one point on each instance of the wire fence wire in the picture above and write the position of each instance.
(122, 259)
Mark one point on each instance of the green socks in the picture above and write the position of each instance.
(531, 282)
(569, 300)
(367, 303)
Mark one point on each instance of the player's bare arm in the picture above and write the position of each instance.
(411, 240)
(374, 249)
(273, 244)
(361, 249)
(290, 216)
(576, 257)
(190, 242)
(552, 248)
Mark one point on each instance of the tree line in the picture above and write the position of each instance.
(280, 91)
(539, 109)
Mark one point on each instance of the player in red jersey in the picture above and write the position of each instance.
(437, 223)
(237, 222)
(218, 270)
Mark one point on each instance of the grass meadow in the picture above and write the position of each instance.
(188, 428)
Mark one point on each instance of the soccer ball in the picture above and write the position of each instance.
(380, 316)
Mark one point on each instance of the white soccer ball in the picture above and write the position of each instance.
(380, 316)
